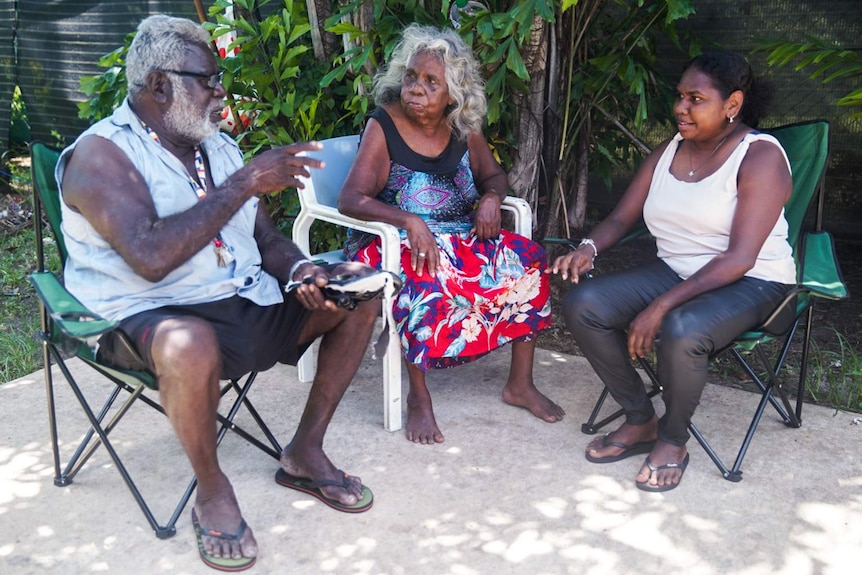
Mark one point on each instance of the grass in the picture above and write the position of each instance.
(836, 374)
(834, 370)
(19, 308)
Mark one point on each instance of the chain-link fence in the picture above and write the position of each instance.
(58, 42)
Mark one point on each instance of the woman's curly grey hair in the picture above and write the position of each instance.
(160, 44)
(466, 87)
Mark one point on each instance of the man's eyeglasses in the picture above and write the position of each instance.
(212, 80)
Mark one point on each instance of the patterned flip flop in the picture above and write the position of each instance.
(221, 563)
(313, 488)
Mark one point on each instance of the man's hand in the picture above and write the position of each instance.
(276, 169)
(309, 294)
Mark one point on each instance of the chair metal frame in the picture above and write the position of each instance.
(319, 201)
(795, 311)
(67, 328)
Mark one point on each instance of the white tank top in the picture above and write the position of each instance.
(691, 220)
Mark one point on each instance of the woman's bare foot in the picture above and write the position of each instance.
(421, 424)
(218, 510)
(662, 454)
(527, 396)
(316, 467)
(626, 434)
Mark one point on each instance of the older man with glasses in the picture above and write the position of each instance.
(167, 234)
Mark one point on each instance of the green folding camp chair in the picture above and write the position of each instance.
(69, 329)
(818, 276)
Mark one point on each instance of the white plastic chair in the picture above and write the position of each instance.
(319, 201)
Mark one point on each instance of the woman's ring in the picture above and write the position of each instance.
(421, 254)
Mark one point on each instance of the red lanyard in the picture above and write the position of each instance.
(223, 252)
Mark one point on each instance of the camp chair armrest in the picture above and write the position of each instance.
(820, 274)
(782, 317)
(71, 317)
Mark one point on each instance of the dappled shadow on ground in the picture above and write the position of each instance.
(506, 493)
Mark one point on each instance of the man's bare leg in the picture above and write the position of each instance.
(421, 424)
(345, 338)
(520, 390)
(187, 361)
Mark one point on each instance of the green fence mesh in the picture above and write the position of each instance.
(740, 25)
(59, 41)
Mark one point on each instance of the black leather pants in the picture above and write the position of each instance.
(598, 311)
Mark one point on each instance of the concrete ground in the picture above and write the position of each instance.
(506, 493)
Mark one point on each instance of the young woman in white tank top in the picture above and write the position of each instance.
(713, 196)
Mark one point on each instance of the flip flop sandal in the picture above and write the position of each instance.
(221, 563)
(628, 450)
(646, 486)
(312, 488)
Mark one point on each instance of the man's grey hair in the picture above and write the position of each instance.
(466, 87)
(160, 44)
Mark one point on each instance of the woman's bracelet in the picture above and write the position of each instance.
(592, 244)
(296, 265)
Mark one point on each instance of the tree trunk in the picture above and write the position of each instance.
(325, 43)
(578, 213)
(523, 175)
(364, 20)
(552, 186)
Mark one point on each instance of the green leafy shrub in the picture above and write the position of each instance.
(826, 63)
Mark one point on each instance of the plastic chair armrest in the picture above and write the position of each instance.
(523, 215)
(390, 238)
(332, 215)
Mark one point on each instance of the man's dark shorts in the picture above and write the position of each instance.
(251, 337)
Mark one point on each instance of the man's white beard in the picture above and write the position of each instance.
(187, 120)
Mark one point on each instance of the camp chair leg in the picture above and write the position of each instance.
(803, 368)
(786, 412)
(242, 399)
(162, 531)
(66, 476)
(734, 474)
(591, 427)
(784, 408)
(75, 464)
(89, 444)
(59, 479)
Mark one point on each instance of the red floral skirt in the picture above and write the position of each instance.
(485, 294)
